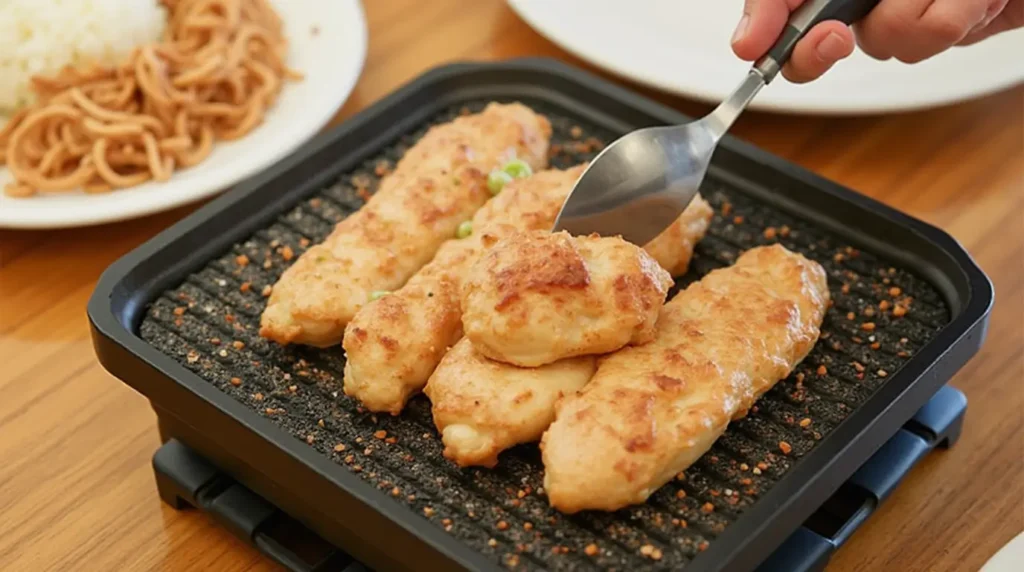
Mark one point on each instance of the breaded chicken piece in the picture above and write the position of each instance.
(535, 298)
(475, 426)
(394, 343)
(514, 403)
(650, 411)
(437, 185)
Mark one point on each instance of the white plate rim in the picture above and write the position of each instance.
(213, 181)
(765, 102)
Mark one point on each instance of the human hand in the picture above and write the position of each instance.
(908, 30)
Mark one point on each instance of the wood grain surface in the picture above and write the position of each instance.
(76, 487)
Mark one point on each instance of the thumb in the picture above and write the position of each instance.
(761, 24)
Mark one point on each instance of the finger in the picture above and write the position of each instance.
(914, 30)
(823, 46)
(1009, 17)
(761, 24)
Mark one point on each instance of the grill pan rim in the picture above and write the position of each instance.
(117, 306)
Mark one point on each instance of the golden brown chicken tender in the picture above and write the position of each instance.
(650, 411)
(485, 407)
(436, 186)
(481, 410)
(393, 344)
(536, 298)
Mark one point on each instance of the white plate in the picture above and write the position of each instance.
(682, 46)
(1009, 558)
(327, 43)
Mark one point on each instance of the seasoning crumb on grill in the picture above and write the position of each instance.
(426, 435)
(822, 370)
(257, 396)
(784, 231)
(309, 439)
(349, 459)
(428, 511)
(520, 493)
(396, 491)
(726, 208)
(270, 411)
(229, 318)
(287, 253)
(293, 388)
(882, 373)
(527, 526)
(770, 233)
(680, 494)
(391, 440)
(884, 305)
(646, 550)
(367, 451)
(756, 471)
(381, 168)
(899, 311)
(267, 264)
(320, 423)
(223, 353)
(576, 132)
(236, 381)
(708, 507)
(180, 310)
(242, 260)
(868, 326)
(744, 467)
(410, 498)
(492, 542)
(903, 354)
(502, 525)
(869, 311)
(192, 357)
(850, 316)
(681, 476)
(738, 219)
(857, 366)
(245, 287)
(845, 289)
(839, 257)
(339, 447)
(805, 422)
(895, 291)
(513, 560)
(380, 434)
(703, 545)
(763, 466)
(785, 447)
(237, 344)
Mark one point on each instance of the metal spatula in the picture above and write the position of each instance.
(643, 181)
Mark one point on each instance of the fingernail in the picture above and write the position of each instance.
(832, 48)
(741, 29)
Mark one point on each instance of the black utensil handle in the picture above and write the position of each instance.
(804, 18)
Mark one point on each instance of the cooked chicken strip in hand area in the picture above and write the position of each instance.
(536, 298)
(394, 343)
(437, 186)
(650, 411)
(476, 419)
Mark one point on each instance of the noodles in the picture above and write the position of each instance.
(218, 68)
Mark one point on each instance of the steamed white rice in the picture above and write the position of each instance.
(43, 36)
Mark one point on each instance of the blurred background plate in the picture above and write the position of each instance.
(328, 41)
(682, 47)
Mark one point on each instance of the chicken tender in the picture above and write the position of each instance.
(393, 344)
(489, 423)
(438, 184)
(485, 406)
(650, 411)
(536, 298)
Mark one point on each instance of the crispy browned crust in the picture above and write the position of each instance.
(393, 345)
(536, 298)
(651, 411)
(488, 422)
(438, 184)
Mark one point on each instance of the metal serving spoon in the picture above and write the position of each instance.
(643, 181)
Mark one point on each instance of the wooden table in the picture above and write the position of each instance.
(76, 488)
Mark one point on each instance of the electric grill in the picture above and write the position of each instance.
(264, 439)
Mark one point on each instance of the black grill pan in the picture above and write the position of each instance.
(176, 319)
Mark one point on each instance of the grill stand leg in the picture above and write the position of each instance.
(185, 480)
(937, 424)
